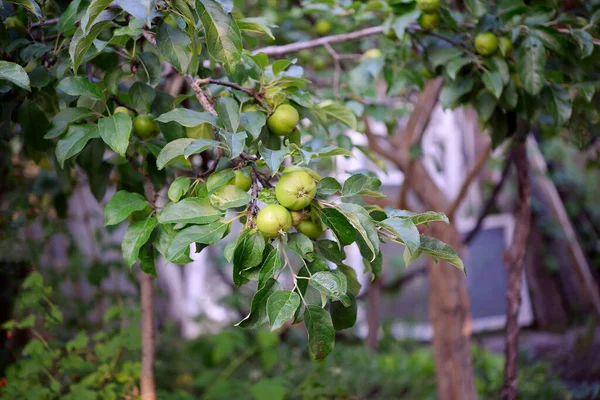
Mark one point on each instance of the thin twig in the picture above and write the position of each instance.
(337, 69)
(254, 202)
(473, 173)
(255, 94)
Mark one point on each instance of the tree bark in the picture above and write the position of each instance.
(147, 379)
(373, 296)
(514, 261)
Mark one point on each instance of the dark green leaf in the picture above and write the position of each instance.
(437, 249)
(328, 186)
(80, 86)
(74, 141)
(258, 308)
(406, 230)
(204, 234)
(64, 118)
(361, 184)
(115, 131)
(331, 251)
(178, 188)
(229, 196)
(135, 237)
(343, 317)
(173, 45)
(274, 158)
(235, 142)
(585, 42)
(339, 225)
(121, 205)
(352, 280)
(321, 334)
(171, 151)
(493, 82)
(281, 306)
(557, 102)
(247, 254)
(186, 117)
(253, 122)
(301, 245)
(531, 62)
(14, 73)
(224, 41)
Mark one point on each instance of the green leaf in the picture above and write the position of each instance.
(135, 237)
(585, 89)
(34, 123)
(361, 184)
(331, 251)
(149, 70)
(142, 96)
(558, 103)
(454, 90)
(258, 308)
(443, 55)
(235, 142)
(14, 73)
(351, 278)
(321, 333)
(281, 307)
(192, 210)
(115, 132)
(435, 248)
(531, 63)
(253, 122)
(74, 141)
(144, 10)
(455, 65)
(247, 254)
(93, 11)
(301, 245)
(429, 216)
(406, 230)
(343, 317)
(223, 38)
(171, 151)
(204, 234)
(29, 5)
(188, 118)
(274, 158)
(365, 227)
(81, 41)
(219, 179)
(328, 186)
(271, 265)
(121, 205)
(401, 22)
(178, 188)
(80, 86)
(229, 196)
(67, 19)
(485, 105)
(340, 113)
(200, 145)
(173, 45)
(64, 118)
(339, 225)
(229, 113)
(330, 284)
(585, 42)
(493, 82)
(552, 39)
(279, 66)
(476, 7)
(256, 25)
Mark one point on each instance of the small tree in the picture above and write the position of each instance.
(86, 88)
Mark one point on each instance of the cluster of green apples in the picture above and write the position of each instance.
(430, 17)
(294, 192)
(144, 126)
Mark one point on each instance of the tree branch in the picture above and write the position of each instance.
(513, 260)
(293, 47)
(148, 346)
(473, 173)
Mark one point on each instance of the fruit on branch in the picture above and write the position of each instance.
(283, 120)
(123, 110)
(248, 107)
(241, 179)
(428, 6)
(311, 229)
(273, 220)
(429, 21)
(202, 131)
(322, 27)
(372, 53)
(297, 217)
(505, 46)
(486, 43)
(145, 127)
(295, 190)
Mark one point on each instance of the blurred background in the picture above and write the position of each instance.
(62, 277)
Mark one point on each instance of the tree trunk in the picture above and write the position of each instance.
(147, 379)
(514, 261)
(449, 307)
